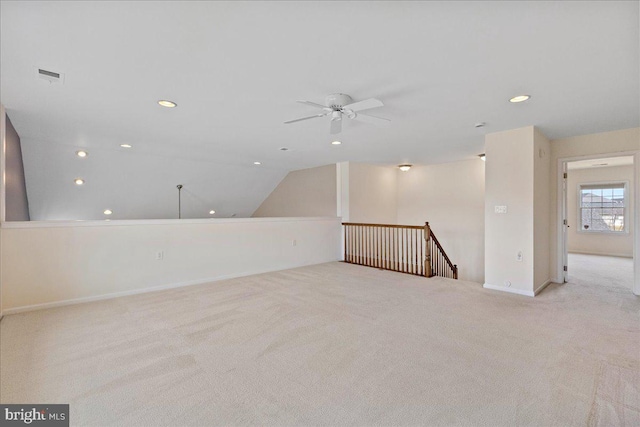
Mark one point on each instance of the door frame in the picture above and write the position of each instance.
(561, 244)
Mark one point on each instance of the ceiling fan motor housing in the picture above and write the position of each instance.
(338, 100)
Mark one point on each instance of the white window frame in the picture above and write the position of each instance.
(625, 227)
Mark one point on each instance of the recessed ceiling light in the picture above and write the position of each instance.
(284, 149)
(79, 181)
(336, 143)
(257, 163)
(480, 124)
(519, 98)
(107, 212)
(483, 157)
(404, 168)
(126, 145)
(166, 103)
(82, 153)
(212, 212)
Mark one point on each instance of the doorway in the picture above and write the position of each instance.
(599, 221)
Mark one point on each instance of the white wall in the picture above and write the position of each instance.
(599, 243)
(372, 193)
(509, 181)
(450, 197)
(594, 144)
(46, 264)
(305, 192)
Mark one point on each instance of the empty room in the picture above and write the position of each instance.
(319, 213)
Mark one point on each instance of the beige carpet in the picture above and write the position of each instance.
(332, 344)
(615, 273)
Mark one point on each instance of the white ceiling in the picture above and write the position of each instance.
(236, 69)
(601, 163)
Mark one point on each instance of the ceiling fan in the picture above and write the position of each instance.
(339, 105)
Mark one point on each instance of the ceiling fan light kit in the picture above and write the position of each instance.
(338, 105)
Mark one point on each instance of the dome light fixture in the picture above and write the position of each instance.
(126, 145)
(82, 153)
(107, 212)
(79, 181)
(257, 163)
(336, 143)
(167, 103)
(519, 98)
(211, 212)
(404, 168)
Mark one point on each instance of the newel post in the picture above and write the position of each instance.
(427, 257)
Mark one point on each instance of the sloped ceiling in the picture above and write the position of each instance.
(236, 69)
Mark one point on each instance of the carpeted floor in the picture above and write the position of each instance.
(615, 273)
(333, 344)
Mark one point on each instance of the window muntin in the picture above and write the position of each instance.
(602, 207)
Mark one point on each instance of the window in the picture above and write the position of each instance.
(602, 207)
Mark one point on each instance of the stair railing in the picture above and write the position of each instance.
(412, 249)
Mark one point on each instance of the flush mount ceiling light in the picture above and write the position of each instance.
(212, 212)
(82, 153)
(483, 157)
(107, 212)
(336, 143)
(257, 163)
(79, 181)
(404, 168)
(166, 103)
(519, 98)
(126, 145)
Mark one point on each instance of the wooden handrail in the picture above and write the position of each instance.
(410, 249)
(362, 224)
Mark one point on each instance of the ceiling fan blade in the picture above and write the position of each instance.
(313, 104)
(364, 105)
(336, 126)
(305, 118)
(372, 119)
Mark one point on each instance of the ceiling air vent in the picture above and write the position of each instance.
(50, 76)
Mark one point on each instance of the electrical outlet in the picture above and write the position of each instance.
(500, 209)
(160, 255)
(519, 256)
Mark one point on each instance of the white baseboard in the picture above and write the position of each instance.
(601, 254)
(510, 290)
(541, 287)
(112, 295)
